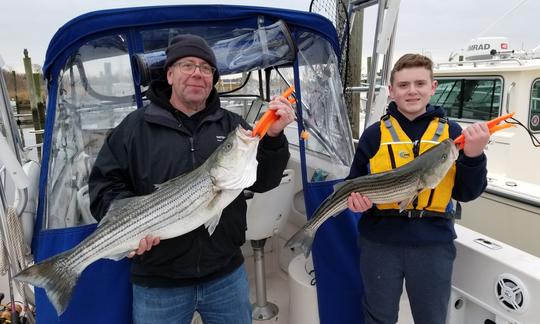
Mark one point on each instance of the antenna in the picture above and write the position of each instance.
(522, 2)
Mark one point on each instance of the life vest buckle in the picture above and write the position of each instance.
(411, 213)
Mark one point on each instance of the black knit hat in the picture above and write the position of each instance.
(190, 45)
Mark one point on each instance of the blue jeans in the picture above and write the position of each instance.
(426, 269)
(222, 301)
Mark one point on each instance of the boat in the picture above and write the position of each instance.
(19, 173)
(489, 79)
(97, 69)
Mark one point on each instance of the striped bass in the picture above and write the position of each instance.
(400, 185)
(178, 206)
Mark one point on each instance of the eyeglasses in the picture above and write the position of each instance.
(189, 68)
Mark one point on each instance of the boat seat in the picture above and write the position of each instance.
(266, 215)
(267, 212)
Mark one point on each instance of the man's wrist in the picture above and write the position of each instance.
(271, 134)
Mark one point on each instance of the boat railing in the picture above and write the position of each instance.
(362, 88)
(475, 63)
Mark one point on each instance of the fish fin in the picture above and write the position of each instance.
(211, 224)
(302, 239)
(118, 257)
(178, 179)
(338, 212)
(55, 277)
(115, 209)
(403, 204)
(339, 185)
(158, 186)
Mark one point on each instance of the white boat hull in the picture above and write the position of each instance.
(508, 220)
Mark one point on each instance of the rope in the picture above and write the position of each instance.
(18, 249)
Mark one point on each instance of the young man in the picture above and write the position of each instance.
(174, 134)
(415, 245)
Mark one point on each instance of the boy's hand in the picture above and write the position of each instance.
(358, 203)
(476, 139)
(145, 244)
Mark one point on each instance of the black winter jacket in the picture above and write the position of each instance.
(157, 143)
(470, 182)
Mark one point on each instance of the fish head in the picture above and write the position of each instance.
(234, 164)
(437, 161)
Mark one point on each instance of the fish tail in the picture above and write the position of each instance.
(302, 239)
(55, 277)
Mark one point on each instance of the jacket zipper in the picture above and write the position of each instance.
(192, 150)
(416, 148)
(199, 256)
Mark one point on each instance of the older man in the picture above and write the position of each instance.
(180, 128)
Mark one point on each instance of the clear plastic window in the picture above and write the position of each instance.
(238, 50)
(324, 112)
(240, 94)
(96, 92)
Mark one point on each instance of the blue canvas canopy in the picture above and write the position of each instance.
(84, 103)
(87, 26)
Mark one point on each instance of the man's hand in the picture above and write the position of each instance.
(284, 112)
(476, 139)
(358, 203)
(145, 244)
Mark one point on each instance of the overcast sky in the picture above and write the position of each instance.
(432, 27)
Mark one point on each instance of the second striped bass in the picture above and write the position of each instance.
(400, 185)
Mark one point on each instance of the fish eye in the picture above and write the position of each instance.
(444, 156)
(228, 146)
